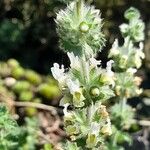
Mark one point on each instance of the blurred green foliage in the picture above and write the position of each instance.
(22, 84)
(9, 131)
(14, 137)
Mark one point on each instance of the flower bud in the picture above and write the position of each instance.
(139, 91)
(13, 63)
(71, 130)
(118, 90)
(137, 80)
(105, 79)
(131, 71)
(91, 141)
(95, 92)
(78, 99)
(127, 93)
(73, 137)
(103, 111)
(106, 130)
(84, 27)
(71, 21)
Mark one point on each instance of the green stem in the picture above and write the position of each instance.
(115, 139)
(79, 8)
(123, 103)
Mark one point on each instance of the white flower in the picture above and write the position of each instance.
(65, 99)
(65, 109)
(76, 92)
(108, 68)
(107, 77)
(95, 128)
(94, 63)
(131, 71)
(139, 91)
(74, 60)
(106, 129)
(67, 115)
(73, 86)
(141, 45)
(58, 73)
(115, 48)
(140, 52)
(110, 73)
(139, 55)
(124, 27)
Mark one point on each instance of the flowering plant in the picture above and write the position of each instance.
(87, 87)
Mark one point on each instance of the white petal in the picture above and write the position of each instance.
(115, 44)
(108, 68)
(57, 72)
(132, 71)
(141, 45)
(95, 128)
(74, 60)
(65, 109)
(73, 86)
(94, 62)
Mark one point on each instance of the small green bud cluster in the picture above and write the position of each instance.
(135, 29)
(79, 26)
(127, 85)
(129, 55)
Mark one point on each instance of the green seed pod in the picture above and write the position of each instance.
(13, 63)
(5, 71)
(33, 77)
(79, 26)
(30, 111)
(18, 72)
(21, 86)
(26, 96)
(37, 100)
(49, 91)
(50, 80)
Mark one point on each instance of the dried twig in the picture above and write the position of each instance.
(43, 136)
(143, 122)
(37, 105)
